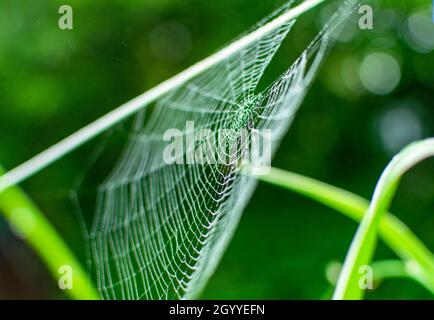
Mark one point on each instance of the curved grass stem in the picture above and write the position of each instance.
(30, 224)
(392, 231)
(381, 270)
(363, 245)
(386, 269)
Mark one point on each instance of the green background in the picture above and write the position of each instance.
(54, 81)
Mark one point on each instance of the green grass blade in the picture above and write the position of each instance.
(381, 270)
(363, 245)
(386, 269)
(31, 225)
(392, 231)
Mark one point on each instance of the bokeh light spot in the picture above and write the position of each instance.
(400, 126)
(380, 73)
(419, 31)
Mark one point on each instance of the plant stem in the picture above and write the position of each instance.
(393, 232)
(28, 222)
(386, 269)
(381, 270)
(363, 245)
(57, 151)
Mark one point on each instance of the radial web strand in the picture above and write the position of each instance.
(159, 229)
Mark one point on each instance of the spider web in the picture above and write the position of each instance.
(159, 229)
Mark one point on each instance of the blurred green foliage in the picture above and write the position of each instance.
(54, 81)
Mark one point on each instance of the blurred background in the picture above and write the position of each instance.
(374, 95)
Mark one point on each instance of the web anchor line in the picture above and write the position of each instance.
(75, 140)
